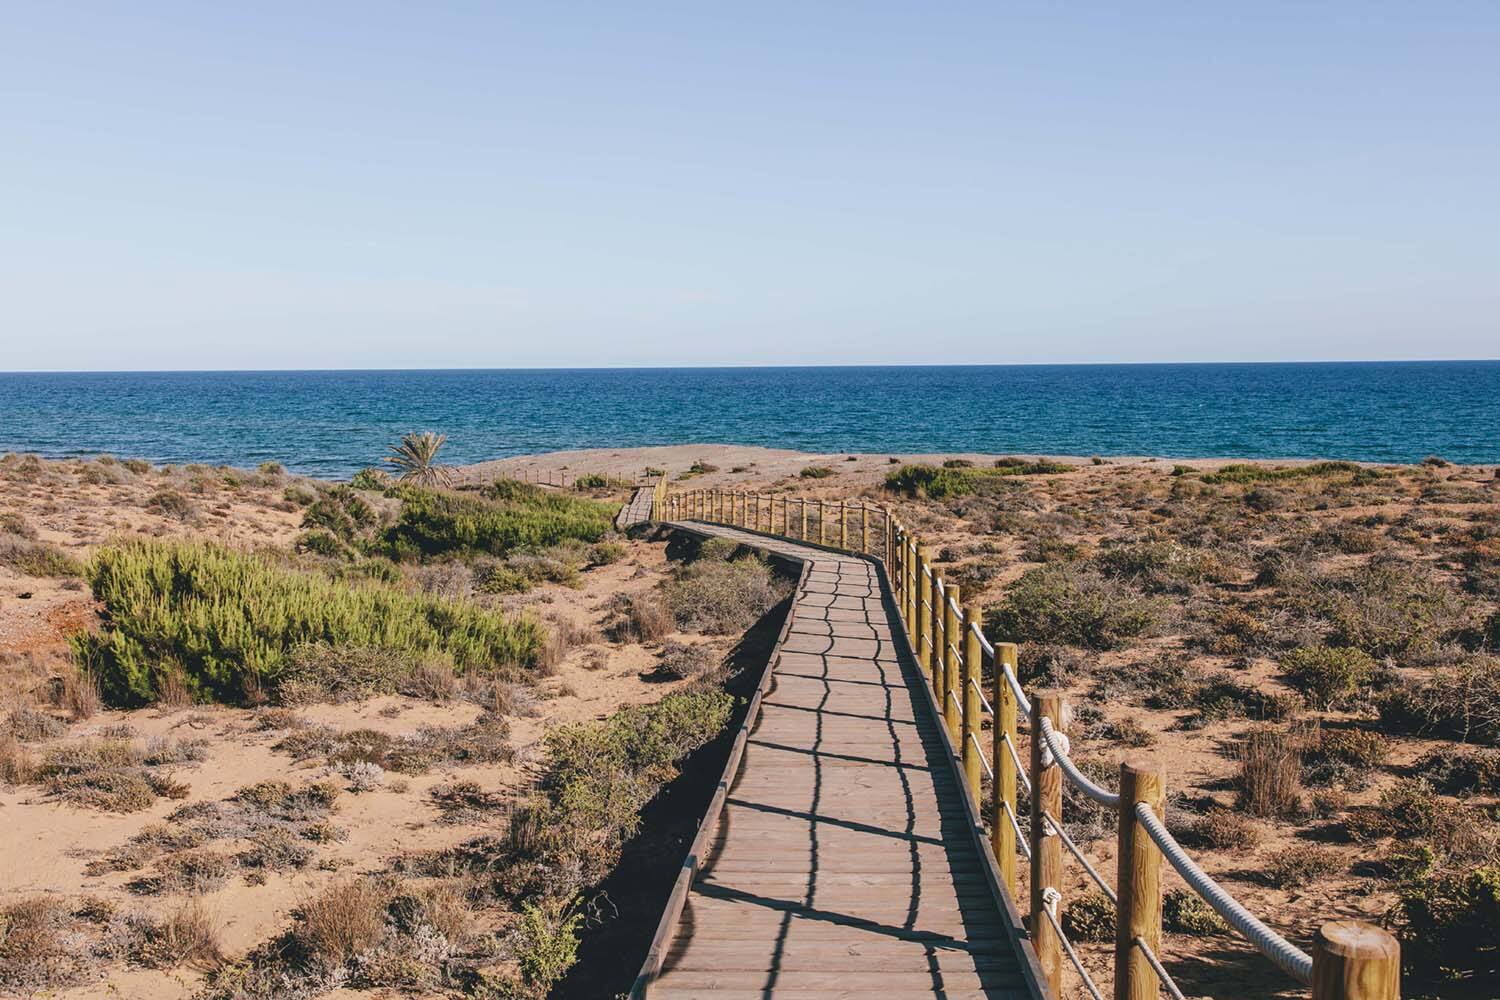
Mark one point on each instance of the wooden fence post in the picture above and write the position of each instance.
(935, 628)
(885, 514)
(1046, 846)
(952, 696)
(973, 619)
(1001, 830)
(822, 523)
(802, 501)
(913, 574)
(923, 619)
(864, 528)
(843, 525)
(1353, 960)
(1138, 883)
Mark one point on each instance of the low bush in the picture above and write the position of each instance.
(1300, 865)
(1221, 829)
(32, 558)
(1411, 810)
(722, 598)
(1327, 674)
(1070, 605)
(816, 472)
(1090, 917)
(507, 516)
(1164, 566)
(225, 622)
(1461, 701)
(169, 503)
(39, 947)
(1391, 608)
(1344, 757)
(1270, 778)
(1449, 928)
(1245, 473)
(1183, 912)
(1461, 772)
(640, 617)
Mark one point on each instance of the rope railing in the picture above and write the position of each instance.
(1283, 954)
(946, 639)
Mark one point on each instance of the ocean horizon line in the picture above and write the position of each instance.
(756, 366)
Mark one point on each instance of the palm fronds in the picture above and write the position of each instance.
(415, 459)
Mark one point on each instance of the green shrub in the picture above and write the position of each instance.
(545, 944)
(271, 469)
(1090, 917)
(1459, 772)
(816, 472)
(1449, 928)
(1327, 674)
(591, 481)
(1411, 810)
(1021, 467)
(509, 516)
(1244, 473)
(31, 558)
(722, 597)
(1163, 565)
(169, 503)
(373, 480)
(340, 511)
(1461, 701)
(927, 481)
(299, 495)
(1300, 865)
(1390, 608)
(228, 620)
(1070, 605)
(1182, 912)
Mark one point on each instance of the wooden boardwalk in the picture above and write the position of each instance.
(844, 862)
(637, 511)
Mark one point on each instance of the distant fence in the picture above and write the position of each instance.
(566, 479)
(1350, 960)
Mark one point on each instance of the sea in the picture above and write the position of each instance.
(332, 423)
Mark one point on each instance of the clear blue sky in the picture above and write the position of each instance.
(491, 184)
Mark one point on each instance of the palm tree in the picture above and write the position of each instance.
(415, 459)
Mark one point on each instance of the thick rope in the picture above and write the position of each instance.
(1059, 749)
(983, 701)
(1022, 841)
(1088, 981)
(1072, 847)
(1283, 954)
(1161, 973)
(984, 762)
(1015, 755)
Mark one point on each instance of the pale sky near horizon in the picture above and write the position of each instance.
(382, 185)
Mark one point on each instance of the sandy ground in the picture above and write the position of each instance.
(46, 845)
(1199, 762)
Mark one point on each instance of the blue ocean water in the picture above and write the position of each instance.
(334, 422)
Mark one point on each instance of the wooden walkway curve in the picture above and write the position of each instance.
(844, 860)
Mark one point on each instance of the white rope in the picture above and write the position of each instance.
(983, 642)
(984, 762)
(1067, 840)
(1058, 746)
(954, 650)
(956, 703)
(1022, 702)
(1022, 841)
(1015, 755)
(1282, 953)
(958, 612)
(983, 701)
(1161, 973)
(1049, 907)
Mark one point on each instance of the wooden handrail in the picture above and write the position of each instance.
(1351, 960)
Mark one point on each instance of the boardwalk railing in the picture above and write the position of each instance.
(1350, 960)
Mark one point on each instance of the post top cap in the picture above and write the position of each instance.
(1356, 939)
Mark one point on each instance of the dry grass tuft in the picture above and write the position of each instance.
(1270, 778)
